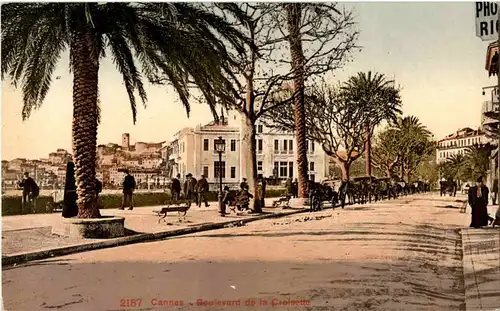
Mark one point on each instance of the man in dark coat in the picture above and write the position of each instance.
(190, 188)
(289, 187)
(128, 190)
(478, 200)
(295, 188)
(30, 192)
(262, 190)
(176, 187)
(70, 208)
(202, 187)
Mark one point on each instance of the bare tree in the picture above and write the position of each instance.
(331, 120)
(256, 76)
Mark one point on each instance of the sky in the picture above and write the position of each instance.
(429, 48)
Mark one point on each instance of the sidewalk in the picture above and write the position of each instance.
(30, 233)
(481, 266)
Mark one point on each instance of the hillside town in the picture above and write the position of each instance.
(190, 151)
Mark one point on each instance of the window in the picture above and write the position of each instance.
(312, 146)
(222, 169)
(205, 145)
(311, 166)
(276, 146)
(290, 146)
(259, 165)
(233, 172)
(275, 170)
(205, 171)
(307, 145)
(312, 178)
(233, 144)
(259, 128)
(285, 146)
(468, 141)
(290, 169)
(224, 141)
(283, 169)
(259, 146)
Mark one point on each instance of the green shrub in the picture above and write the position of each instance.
(140, 199)
(11, 205)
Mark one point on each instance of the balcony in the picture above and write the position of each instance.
(489, 111)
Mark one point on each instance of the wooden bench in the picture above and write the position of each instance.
(179, 208)
(239, 202)
(283, 202)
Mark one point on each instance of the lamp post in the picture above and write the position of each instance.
(220, 148)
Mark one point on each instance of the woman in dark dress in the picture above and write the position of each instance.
(70, 209)
(478, 201)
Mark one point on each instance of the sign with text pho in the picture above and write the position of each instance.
(487, 20)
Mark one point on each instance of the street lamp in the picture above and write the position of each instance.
(220, 148)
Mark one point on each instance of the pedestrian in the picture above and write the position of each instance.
(202, 187)
(494, 191)
(70, 208)
(98, 188)
(295, 188)
(262, 190)
(190, 188)
(243, 184)
(30, 193)
(289, 187)
(128, 190)
(478, 200)
(176, 188)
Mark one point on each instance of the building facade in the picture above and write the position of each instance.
(458, 142)
(193, 151)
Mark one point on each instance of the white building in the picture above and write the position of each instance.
(193, 151)
(458, 142)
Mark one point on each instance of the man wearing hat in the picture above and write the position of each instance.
(244, 184)
(202, 187)
(190, 188)
(30, 192)
(478, 200)
(128, 190)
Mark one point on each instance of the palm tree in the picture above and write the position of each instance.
(457, 167)
(176, 40)
(294, 16)
(381, 99)
(414, 142)
(477, 159)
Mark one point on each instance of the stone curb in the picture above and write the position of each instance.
(144, 237)
(472, 294)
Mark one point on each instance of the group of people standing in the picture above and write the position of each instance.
(194, 190)
(197, 191)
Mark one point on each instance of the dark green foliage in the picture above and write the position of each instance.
(11, 205)
(179, 41)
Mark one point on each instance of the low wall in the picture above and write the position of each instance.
(11, 205)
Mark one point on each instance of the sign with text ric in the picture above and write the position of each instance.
(487, 20)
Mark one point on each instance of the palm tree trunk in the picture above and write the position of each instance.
(85, 89)
(368, 152)
(294, 11)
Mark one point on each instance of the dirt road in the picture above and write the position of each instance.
(398, 255)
